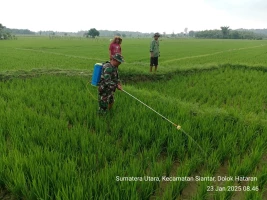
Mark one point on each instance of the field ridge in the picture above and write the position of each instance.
(125, 76)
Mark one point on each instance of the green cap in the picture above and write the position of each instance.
(118, 57)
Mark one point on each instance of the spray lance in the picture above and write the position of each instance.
(178, 127)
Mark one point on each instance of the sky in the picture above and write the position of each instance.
(169, 16)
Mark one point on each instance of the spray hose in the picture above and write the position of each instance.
(90, 92)
(177, 126)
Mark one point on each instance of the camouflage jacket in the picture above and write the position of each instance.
(109, 77)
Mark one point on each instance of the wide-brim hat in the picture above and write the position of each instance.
(118, 57)
(118, 37)
(156, 35)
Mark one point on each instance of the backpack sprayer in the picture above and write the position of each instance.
(96, 74)
(95, 81)
(95, 78)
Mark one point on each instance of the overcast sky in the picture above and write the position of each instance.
(135, 15)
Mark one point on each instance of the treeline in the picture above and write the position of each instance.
(102, 33)
(230, 34)
(110, 33)
(9, 33)
(20, 31)
(224, 33)
(5, 34)
(258, 31)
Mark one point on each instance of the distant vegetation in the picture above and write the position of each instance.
(92, 33)
(226, 33)
(223, 33)
(20, 31)
(5, 33)
(258, 31)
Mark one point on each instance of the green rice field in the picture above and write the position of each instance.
(54, 145)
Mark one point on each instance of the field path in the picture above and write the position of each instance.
(59, 54)
(215, 53)
(73, 56)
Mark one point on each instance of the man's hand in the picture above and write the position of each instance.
(151, 54)
(119, 87)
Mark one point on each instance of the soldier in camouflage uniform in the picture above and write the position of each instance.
(108, 84)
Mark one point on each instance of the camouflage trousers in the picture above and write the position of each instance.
(104, 99)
